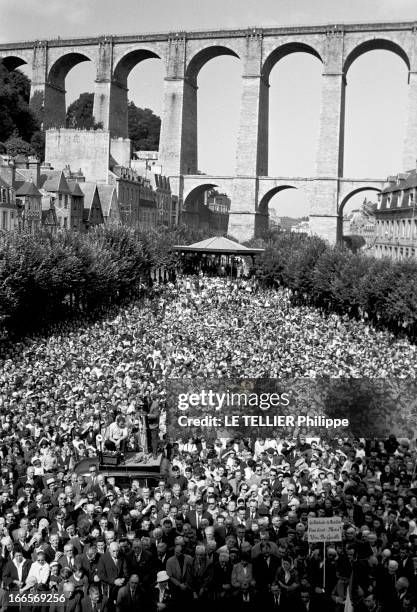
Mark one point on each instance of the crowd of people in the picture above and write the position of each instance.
(226, 524)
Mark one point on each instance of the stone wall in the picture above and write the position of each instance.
(85, 149)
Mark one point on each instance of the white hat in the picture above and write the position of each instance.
(162, 576)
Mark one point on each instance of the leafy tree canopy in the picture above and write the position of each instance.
(143, 125)
(15, 113)
(15, 145)
(80, 113)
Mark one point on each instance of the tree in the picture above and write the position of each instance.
(38, 144)
(354, 242)
(143, 125)
(15, 113)
(80, 113)
(15, 145)
(144, 128)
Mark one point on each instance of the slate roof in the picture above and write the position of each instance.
(106, 193)
(407, 181)
(28, 189)
(74, 187)
(54, 180)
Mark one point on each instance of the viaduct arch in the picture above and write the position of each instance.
(337, 46)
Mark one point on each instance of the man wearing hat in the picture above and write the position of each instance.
(162, 592)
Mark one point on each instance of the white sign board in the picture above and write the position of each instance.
(328, 529)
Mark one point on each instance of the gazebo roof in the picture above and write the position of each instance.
(218, 244)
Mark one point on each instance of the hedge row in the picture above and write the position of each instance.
(337, 280)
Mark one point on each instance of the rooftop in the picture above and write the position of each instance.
(218, 244)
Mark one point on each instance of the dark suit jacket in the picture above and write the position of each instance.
(10, 573)
(191, 517)
(63, 562)
(20, 483)
(174, 569)
(86, 605)
(126, 603)
(89, 567)
(264, 575)
(144, 568)
(108, 570)
(71, 605)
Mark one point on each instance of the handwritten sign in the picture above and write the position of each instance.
(328, 529)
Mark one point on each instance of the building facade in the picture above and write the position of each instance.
(362, 222)
(396, 218)
(137, 199)
(8, 207)
(93, 212)
(29, 201)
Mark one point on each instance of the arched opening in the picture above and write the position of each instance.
(17, 114)
(375, 109)
(79, 89)
(207, 208)
(357, 227)
(211, 105)
(285, 209)
(136, 108)
(12, 62)
(55, 94)
(294, 76)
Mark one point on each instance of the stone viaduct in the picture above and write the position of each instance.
(184, 54)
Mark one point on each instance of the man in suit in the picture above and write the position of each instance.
(162, 557)
(131, 597)
(89, 562)
(115, 517)
(92, 479)
(242, 571)
(265, 567)
(72, 600)
(252, 513)
(112, 571)
(195, 517)
(22, 543)
(315, 603)
(141, 563)
(68, 558)
(273, 599)
(245, 599)
(35, 481)
(15, 571)
(52, 550)
(179, 572)
(94, 602)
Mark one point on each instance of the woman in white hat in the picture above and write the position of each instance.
(162, 597)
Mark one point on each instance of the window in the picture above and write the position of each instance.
(65, 222)
(4, 220)
(65, 201)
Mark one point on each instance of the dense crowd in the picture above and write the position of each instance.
(226, 524)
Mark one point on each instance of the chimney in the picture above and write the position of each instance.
(8, 170)
(34, 165)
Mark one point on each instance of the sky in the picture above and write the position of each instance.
(375, 112)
